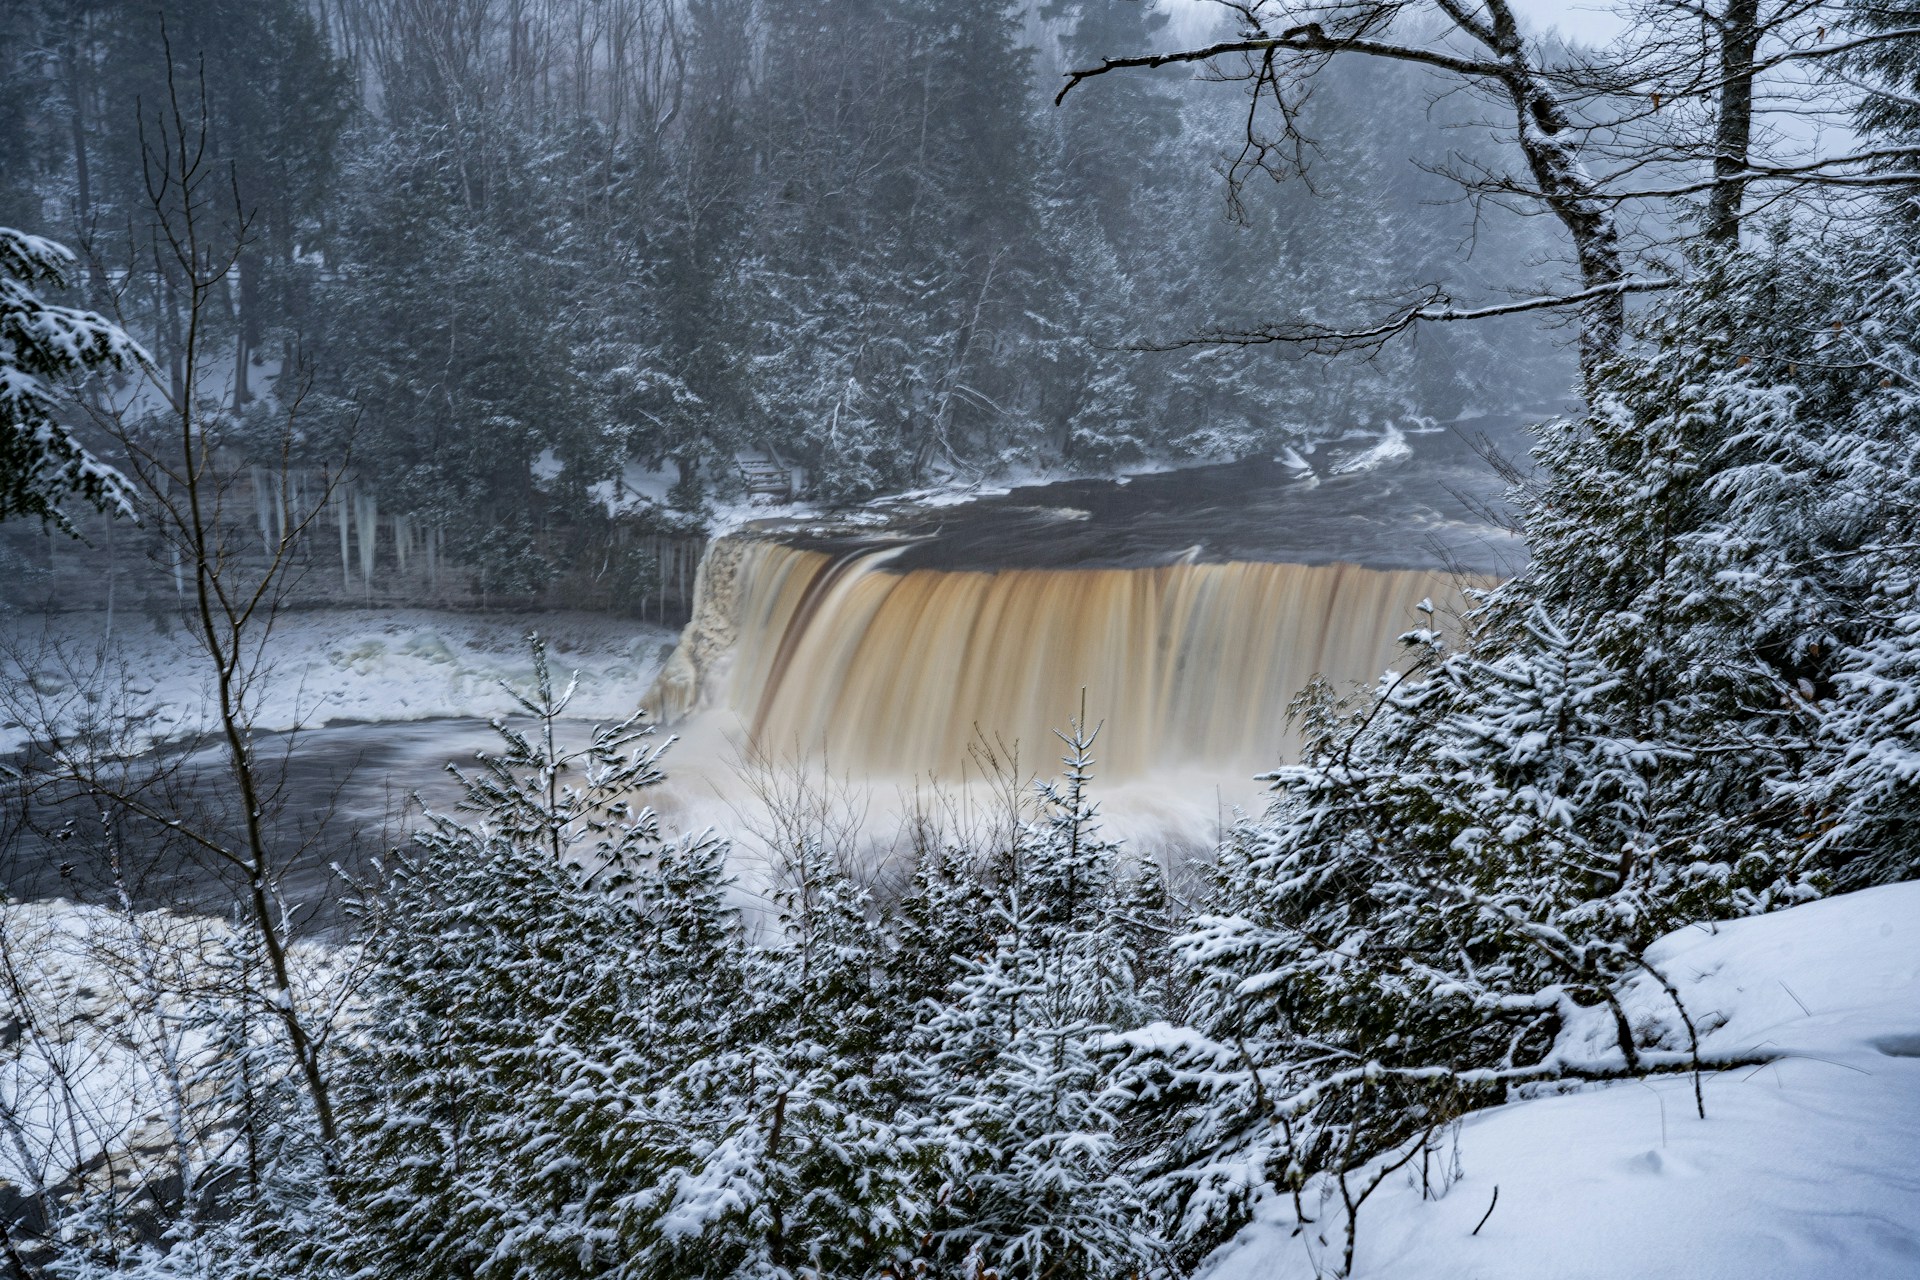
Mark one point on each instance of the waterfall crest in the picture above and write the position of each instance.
(893, 673)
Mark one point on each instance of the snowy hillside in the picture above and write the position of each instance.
(1806, 1167)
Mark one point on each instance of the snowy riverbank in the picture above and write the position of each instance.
(115, 1044)
(1806, 1168)
(353, 664)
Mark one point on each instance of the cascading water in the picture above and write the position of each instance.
(894, 673)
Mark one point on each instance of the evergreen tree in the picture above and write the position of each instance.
(454, 339)
(813, 1154)
(46, 349)
(891, 263)
(269, 102)
(547, 979)
(1688, 707)
(1641, 730)
(1890, 65)
(1029, 1184)
(1846, 474)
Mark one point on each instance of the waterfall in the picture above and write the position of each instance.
(890, 672)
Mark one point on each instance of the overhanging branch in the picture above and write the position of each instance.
(1434, 309)
(1311, 38)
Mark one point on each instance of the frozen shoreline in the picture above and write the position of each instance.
(371, 665)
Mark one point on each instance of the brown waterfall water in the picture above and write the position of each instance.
(838, 655)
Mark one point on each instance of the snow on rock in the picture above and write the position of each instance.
(1390, 448)
(1805, 1168)
(377, 665)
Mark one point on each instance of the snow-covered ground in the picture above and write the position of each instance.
(113, 1021)
(380, 665)
(1805, 1168)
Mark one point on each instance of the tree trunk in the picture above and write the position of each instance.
(1549, 143)
(1733, 132)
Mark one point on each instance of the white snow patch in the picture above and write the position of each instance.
(1392, 447)
(109, 1035)
(635, 490)
(353, 664)
(1807, 1167)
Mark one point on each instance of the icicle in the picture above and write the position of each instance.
(263, 507)
(401, 533)
(340, 518)
(366, 520)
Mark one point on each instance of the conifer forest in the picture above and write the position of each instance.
(959, 639)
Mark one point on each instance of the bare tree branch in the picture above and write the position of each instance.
(1434, 309)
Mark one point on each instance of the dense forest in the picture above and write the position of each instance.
(507, 252)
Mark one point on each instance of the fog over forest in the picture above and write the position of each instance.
(509, 252)
(959, 640)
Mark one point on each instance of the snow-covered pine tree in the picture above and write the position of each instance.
(1113, 171)
(544, 978)
(1028, 1186)
(892, 276)
(1636, 735)
(1853, 669)
(1858, 787)
(945, 913)
(44, 349)
(807, 1153)
(1747, 536)
(1106, 409)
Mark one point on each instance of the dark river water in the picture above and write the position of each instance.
(339, 797)
(1414, 499)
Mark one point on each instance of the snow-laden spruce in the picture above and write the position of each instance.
(45, 349)
(1030, 1183)
(579, 1059)
(550, 981)
(1697, 703)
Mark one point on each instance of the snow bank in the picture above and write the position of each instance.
(409, 664)
(111, 1020)
(1807, 1167)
